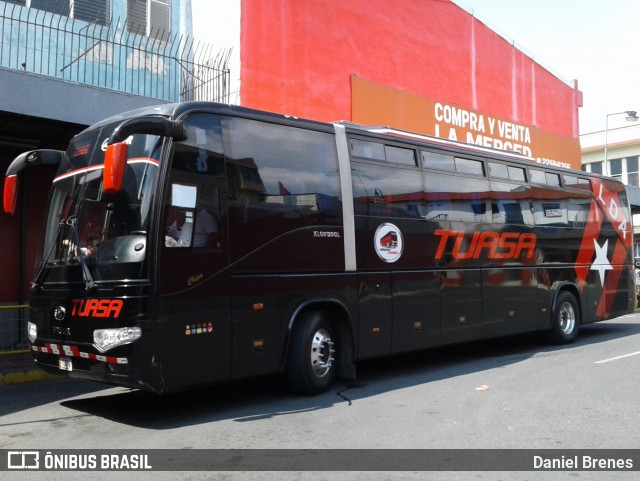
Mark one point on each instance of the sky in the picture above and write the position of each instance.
(593, 41)
(217, 23)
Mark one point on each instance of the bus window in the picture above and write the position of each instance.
(201, 152)
(279, 179)
(550, 212)
(553, 180)
(537, 176)
(498, 171)
(578, 212)
(367, 150)
(197, 171)
(511, 203)
(455, 198)
(179, 218)
(574, 182)
(364, 149)
(517, 174)
(206, 228)
(379, 190)
(578, 203)
(467, 166)
(432, 160)
(507, 172)
(545, 178)
(399, 155)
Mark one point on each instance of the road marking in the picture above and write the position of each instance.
(618, 357)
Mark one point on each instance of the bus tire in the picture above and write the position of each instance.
(311, 363)
(565, 321)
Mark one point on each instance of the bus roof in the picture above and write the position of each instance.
(178, 109)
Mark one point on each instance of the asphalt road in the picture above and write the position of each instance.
(512, 393)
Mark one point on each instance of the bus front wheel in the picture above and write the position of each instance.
(311, 364)
(565, 322)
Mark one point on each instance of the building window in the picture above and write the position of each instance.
(596, 167)
(90, 10)
(94, 11)
(632, 171)
(615, 168)
(149, 17)
(60, 7)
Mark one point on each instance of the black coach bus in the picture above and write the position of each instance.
(197, 243)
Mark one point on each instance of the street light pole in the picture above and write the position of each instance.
(631, 117)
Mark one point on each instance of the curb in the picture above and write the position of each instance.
(18, 367)
(25, 377)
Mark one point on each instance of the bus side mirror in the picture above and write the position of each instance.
(115, 160)
(10, 193)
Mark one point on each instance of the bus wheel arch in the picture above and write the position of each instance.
(566, 316)
(320, 348)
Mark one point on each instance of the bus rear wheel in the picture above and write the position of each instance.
(565, 322)
(311, 364)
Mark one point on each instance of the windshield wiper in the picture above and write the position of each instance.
(35, 283)
(89, 283)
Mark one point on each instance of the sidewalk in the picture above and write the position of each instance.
(19, 367)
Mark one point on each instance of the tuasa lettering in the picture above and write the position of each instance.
(96, 307)
(494, 245)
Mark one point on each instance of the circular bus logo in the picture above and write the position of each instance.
(388, 242)
(59, 313)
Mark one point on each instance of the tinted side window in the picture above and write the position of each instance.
(467, 166)
(511, 203)
(545, 178)
(382, 190)
(498, 171)
(399, 155)
(509, 172)
(537, 176)
(366, 150)
(517, 174)
(574, 182)
(455, 198)
(192, 214)
(279, 179)
(434, 160)
(550, 212)
(201, 152)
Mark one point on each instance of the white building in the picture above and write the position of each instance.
(621, 148)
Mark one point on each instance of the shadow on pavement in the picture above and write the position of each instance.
(263, 398)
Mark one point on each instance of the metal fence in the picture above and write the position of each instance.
(160, 66)
(13, 328)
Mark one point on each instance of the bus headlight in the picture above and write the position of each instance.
(105, 339)
(32, 331)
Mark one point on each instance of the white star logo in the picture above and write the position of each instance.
(601, 262)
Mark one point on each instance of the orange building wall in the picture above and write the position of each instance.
(298, 58)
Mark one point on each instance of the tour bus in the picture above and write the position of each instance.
(198, 243)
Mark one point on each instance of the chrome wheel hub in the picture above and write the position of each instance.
(321, 353)
(567, 318)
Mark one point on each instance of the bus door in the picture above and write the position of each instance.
(194, 305)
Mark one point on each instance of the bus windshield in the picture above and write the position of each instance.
(91, 235)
